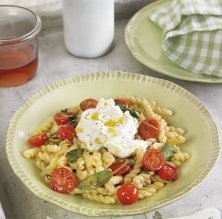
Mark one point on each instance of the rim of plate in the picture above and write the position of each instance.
(113, 75)
(129, 39)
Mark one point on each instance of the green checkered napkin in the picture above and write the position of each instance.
(192, 34)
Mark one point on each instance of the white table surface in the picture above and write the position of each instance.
(56, 63)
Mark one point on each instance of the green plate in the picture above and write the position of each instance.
(143, 38)
(189, 113)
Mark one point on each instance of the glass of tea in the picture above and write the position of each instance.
(19, 28)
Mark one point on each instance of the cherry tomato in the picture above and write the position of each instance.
(122, 171)
(167, 172)
(38, 140)
(127, 194)
(122, 101)
(88, 104)
(63, 180)
(62, 118)
(148, 128)
(153, 159)
(66, 132)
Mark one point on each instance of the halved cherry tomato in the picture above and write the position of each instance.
(88, 104)
(153, 159)
(116, 166)
(167, 172)
(122, 101)
(38, 140)
(63, 180)
(66, 132)
(62, 118)
(148, 128)
(127, 194)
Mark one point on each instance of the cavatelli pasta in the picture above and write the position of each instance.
(178, 130)
(95, 160)
(156, 178)
(111, 185)
(99, 198)
(31, 153)
(146, 192)
(162, 131)
(148, 110)
(157, 185)
(163, 111)
(65, 144)
(55, 153)
(151, 189)
(40, 164)
(52, 165)
(50, 148)
(179, 158)
(141, 180)
(136, 168)
(107, 159)
(44, 156)
(44, 127)
(80, 168)
(62, 161)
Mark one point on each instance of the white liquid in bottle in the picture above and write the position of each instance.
(88, 27)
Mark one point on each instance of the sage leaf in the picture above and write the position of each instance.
(124, 109)
(132, 113)
(74, 155)
(168, 151)
(73, 123)
(96, 180)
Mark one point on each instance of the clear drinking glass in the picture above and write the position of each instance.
(19, 28)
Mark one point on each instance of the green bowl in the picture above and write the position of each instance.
(189, 113)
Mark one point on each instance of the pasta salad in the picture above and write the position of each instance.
(108, 150)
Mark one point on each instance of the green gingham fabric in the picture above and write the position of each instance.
(192, 34)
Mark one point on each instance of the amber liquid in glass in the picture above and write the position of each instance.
(16, 67)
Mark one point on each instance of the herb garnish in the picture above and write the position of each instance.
(96, 180)
(168, 151)
(74, 155)
(124, 109)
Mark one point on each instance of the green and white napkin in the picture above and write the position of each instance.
(192, 34)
